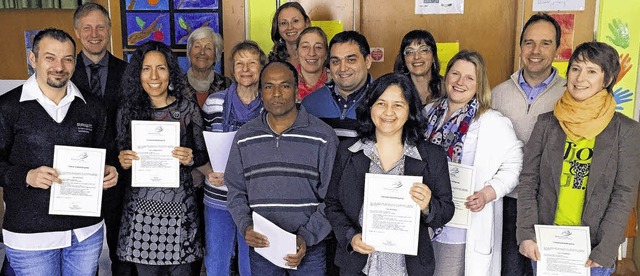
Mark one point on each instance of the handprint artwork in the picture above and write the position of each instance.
(619, 33)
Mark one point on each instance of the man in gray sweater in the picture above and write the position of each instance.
(529, 92)
(279, 167)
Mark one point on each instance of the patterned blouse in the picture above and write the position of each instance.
(160, 225)
(383, 263)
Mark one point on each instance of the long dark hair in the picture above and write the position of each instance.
(418, 36)
(136, 104)
(279, 50)
(413, 130)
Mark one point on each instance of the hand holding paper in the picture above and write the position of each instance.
(277, 245)
(293, 260)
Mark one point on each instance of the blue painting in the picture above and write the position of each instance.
(195, 4)
(147, 5)
(28, 42)
(185, 23)
(143, 27)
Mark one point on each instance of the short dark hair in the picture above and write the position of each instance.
(279, 50)
(86, 8)
(601, 54)
(542, 17)
(413, 130)
(56, 34)
(288, 66)
(419, 36)
(352, 36)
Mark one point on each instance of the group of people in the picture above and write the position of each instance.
(310, 122)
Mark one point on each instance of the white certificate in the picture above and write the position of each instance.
(154, 141)
(281, 242)
(390, 218)
(82, 172)
(218, 148)
(563, 250)
(462, 183)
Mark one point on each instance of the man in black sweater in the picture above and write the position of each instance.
(48, 110)
(99, 72)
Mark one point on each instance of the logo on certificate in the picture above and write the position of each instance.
(81, 157)
(393, 186)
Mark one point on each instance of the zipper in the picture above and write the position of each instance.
(277, 141)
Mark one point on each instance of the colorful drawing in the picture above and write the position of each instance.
(185, 23)
(619, 26)
(142, 27)
(567, 25)
(28, 42)
(195, 4)
(153, 5)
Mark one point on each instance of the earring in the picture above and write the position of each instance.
(170, 86)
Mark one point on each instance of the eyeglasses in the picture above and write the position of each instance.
(423, 50)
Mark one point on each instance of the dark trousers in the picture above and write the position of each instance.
(513, 263)
(164, 270)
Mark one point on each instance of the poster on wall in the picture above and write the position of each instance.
(439, 6)
(195, 4)
(567, 27)
(153, 5)
(143, 27)
(558, 5)
(619, 26)
(185, 23)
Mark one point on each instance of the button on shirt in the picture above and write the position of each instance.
(533, 92)
(58, 239)
(346, 104)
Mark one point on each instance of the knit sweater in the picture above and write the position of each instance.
(509, 98)
(27, 139)
(266, 173)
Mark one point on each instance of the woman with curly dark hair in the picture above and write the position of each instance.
(418, 59)
(159, 230)
(287, 24)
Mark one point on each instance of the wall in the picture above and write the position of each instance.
(14, 22)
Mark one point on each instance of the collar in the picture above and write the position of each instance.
(546, 82)
(369, 148)
(31, 91)
(302, 120)
(104, 62)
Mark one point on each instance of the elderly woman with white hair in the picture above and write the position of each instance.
(204, 49)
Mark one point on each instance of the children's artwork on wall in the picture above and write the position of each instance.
(28, 42)
(140, 5)
(567, 27)
(183, 62)
(619, 26)
(142, 27)
(185, 23)
(195, 4)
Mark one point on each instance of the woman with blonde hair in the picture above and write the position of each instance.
(472, 134)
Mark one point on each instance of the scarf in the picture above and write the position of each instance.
(450, 134)
(584, 119)
(200, 85)
(305, 89)
(235, 112)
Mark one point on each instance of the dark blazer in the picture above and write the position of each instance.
(346, 194)
(613, 179)
(112, 92)
(111, 99)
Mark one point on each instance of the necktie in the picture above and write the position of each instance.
(96, 88)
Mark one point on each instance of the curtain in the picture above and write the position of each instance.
(41, 4)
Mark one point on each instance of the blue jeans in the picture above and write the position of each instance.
(313, 263)
(221, 239)
(81, 258)
(595, 271)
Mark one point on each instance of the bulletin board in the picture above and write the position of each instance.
(485, 26)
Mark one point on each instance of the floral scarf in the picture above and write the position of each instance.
(450, 134)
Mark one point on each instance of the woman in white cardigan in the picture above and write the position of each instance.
(472, 134)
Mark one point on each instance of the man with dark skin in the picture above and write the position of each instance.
(266, 172)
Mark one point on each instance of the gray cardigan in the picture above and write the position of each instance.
(611, 187)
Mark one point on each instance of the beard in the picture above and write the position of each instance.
(55, 83)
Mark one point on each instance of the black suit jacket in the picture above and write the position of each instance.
(112, 96)
(346, 194)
